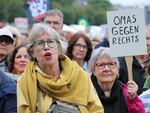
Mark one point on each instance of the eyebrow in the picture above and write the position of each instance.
(80, 43)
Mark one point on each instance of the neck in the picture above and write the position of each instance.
(52, 71)
(19, 72)
(106, 87)
(79, 61)
(142, 59)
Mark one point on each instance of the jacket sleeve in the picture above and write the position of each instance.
(134, 105)
(10, 103)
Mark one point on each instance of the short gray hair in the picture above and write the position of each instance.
(36, 31)
(55, 12)
(101, 52)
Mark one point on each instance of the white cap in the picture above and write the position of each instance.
(6, 32)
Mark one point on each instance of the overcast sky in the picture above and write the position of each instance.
(131, 2)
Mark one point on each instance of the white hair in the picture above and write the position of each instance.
(101, 53)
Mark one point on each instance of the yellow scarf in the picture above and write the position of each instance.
(69, 87)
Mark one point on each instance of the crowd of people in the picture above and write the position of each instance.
(47, 73)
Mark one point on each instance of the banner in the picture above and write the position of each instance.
(35, 9)
(38, 8)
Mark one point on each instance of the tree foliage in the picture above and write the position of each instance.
(94, 10)
(11, 9)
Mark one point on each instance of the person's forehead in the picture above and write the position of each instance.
(105, 58)
(43, 35)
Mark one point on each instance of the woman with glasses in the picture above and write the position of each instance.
(80, 49)
(115, 96)
(51, 81)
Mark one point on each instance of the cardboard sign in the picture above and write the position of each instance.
(126, 30)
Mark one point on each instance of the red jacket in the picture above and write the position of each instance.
(135, 105)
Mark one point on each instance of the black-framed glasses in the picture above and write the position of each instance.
(41, 44)
(79, 46)
(5, 40)
(110, 65)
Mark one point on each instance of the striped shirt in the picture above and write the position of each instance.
(145, 97)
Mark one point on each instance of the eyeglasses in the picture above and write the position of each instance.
(79, 46)
(110, 65)
(41, 44)
(52, 22)
(6, 41)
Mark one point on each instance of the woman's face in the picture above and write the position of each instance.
(80, 49)
(105, 70)
(21, 59)
(45, 51)
(95, 41)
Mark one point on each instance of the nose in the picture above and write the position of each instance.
(51, 24)
(106, 67)
(46, 46)
(81, 48)
(23, 59)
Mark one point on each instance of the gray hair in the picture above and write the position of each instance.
(101, 52)
(55, 12)
(37, 31)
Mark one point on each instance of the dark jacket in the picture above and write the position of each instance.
(118, 102)
(8, 99)
(104, 43)
(137, 70)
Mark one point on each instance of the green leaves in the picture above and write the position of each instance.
(93, 10)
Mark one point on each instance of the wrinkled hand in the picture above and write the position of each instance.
(132, 89)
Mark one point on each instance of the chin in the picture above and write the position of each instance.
(48, 63)
(108, 80)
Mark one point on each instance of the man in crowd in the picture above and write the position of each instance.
(6, 46)
(54, 19)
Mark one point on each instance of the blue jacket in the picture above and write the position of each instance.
(104, 43)
(8, 99)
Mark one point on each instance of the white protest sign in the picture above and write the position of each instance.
(126, 30)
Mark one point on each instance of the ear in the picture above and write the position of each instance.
(117, 73)
(31, 53)
(117, 76)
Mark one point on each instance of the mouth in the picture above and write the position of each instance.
(22, 65)
(107, 74)
(47, 54)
